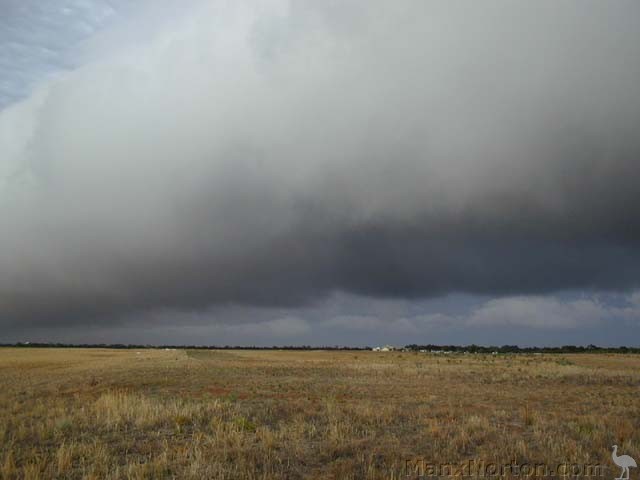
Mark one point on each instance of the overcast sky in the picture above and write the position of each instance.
(337, 172)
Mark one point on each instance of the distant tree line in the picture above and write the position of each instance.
(516, 349)
(413, 347)
(123, 346)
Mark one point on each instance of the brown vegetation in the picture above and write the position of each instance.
(100, 414)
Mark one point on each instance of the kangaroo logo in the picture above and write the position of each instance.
(624, 462)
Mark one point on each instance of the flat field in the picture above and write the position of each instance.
(101, 414)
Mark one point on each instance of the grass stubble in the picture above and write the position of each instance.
(111, 414)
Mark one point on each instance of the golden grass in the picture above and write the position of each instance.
(111, 414)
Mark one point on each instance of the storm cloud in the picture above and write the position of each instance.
(274, 153)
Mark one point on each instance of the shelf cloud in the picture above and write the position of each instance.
(273, 153)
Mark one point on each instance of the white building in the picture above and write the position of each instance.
(386, 348)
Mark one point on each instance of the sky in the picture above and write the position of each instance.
(353, 172)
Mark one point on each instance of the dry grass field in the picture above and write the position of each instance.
(106, 414)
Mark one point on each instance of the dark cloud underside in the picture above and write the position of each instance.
(271, 156)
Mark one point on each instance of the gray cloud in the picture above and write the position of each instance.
(272, 154)
(568, 318)
(540, 312)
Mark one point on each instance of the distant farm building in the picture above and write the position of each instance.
(386, 348)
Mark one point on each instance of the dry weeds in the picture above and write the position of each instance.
(111, 414)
